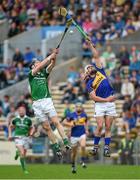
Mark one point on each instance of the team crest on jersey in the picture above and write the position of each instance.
(40, 74)
(80, 120)
(98, 79)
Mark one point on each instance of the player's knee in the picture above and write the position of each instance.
(46, 126)
(100, 127)
(83, 146)
(56, 123)
(108, 128)
(22, 154)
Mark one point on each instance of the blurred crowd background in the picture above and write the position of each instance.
(103, 20)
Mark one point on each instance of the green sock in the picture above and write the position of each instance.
(17, 154)
(56, 147)
(65, 141)
(22, 162)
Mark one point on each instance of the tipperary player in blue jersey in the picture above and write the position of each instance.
(77, 121)
(100, 91)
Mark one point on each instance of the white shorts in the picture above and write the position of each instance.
(105, 109)
(44, 108)
(75, 140)
(22, 141)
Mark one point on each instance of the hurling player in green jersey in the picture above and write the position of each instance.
(23, 128)
(42, 102)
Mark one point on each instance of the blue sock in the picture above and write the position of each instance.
(83, 159)
(96, 140)
(107, 141)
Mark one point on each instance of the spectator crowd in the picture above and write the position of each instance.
(19, 68)
(102, 19)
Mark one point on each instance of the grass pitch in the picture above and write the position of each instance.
(64, 172)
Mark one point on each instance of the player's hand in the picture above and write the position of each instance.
(111, 99)
(72, 124)
(56, 51)
(87, 132)
(89, 41)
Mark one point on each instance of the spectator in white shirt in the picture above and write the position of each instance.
(32, 12)
(127, 88)
(96, 14)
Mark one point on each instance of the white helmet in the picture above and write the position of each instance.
(86, 67)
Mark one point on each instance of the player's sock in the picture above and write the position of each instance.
(73, 167)
(107, 141)
(66, 143)
(96, 145)
(56, 147)
(96, 140)
(17, 154)
(22, 162)
(73, 164)
(83, 159)
(106, 147)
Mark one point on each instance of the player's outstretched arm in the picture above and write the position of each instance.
(95, 53)
(99, 99)
(49, 60)
(51, 65)
(32, 131)
(10, 127)
(68, 123)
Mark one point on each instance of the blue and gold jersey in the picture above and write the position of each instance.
(100, 84)
(80, 121)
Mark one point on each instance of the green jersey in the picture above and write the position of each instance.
(22, 125)
(39, 85)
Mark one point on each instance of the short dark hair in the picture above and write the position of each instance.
(31, 64)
